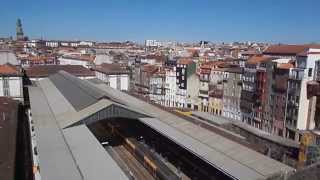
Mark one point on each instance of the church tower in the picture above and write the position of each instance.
(20, 35)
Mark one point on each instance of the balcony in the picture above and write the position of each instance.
(293, 91)
(293, 104)
(313, 89)
(291, 124)
(279, 89)
(203, 93)
(246, 106)
(202, 79)
(217, 93)
(296, 74)
(248, 96)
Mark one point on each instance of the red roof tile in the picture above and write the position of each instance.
(185, 61)
(285, 65)
(10, 70)
(45, 71)
(112, 69)
(259, 59)
(149, 68)
(289, 49)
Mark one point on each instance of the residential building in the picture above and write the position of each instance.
(187, 83)
(77, 59)
(232, 87)
(36, 43)
(85, 43)
(275, 111)
(11, 82)
(217, 76)
(289, 111)
(38, 60)
(7, 56)
(171, 87)
(207, 78)
(74, 43)
(153, 60)
(299, 106)
(284, 51)
(253, 97)
(157, 87)
(116, 76)
(52, 44)
(152, 43)
(216, 99)
(204, 77)
(142, 80)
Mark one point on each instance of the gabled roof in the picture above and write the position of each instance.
(185, 61)
(112, 69)
(259, 59)
(54, 114)
(285, 65)
(45, 71)
(284, 49)
(9, 70)
(79, 93)
(149, 68)
(82, 57)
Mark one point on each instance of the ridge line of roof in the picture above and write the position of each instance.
(61, 132)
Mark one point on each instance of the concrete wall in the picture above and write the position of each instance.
(65, 61)
(285, 154)
(120, 82)
(15, 87)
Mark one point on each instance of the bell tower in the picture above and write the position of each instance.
(20, 35)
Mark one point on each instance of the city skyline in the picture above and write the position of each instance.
(270, 21)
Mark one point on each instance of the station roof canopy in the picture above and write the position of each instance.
(62, 105)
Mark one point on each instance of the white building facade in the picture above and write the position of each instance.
(171, 87)
(116, 81)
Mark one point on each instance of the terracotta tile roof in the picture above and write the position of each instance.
(285, 65)
(306, 53)
(289, 49)
(9, 70)
(39, 58)
(303, 53)
(259, 59)
(112, 69)
(237, 70)
(83, 57)
(158, 58)
(8, 135)
(149, 68)
(47, 70)
(161, 72)
(185, 61)
(285, 49)
(249, 53)
(212, 64)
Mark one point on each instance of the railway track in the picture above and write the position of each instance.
(137, 169)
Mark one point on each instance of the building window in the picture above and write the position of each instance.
(6, 89)
(310, 72)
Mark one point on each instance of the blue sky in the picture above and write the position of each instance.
(285, 21)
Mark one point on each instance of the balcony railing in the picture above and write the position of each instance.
(296, 74)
